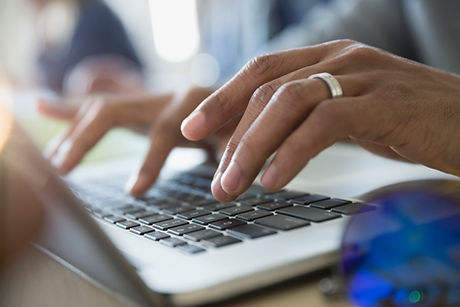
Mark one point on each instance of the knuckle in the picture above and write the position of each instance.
(341, 43)
(262, 96)
(400, 90)
(291, 94)
(260, 65)
(360, 52)
(222, 104)
(231, 147)
(346, 42)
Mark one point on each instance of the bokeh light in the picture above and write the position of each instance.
(175, 28)
(6, 120)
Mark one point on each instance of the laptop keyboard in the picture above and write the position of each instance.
(181, 212)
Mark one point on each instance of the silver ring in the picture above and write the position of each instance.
(332, 83)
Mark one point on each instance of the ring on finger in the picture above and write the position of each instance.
(332, 83)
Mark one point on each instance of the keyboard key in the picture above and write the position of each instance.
(236, 210)
(206, 219)
(178, 231)
(129, 209)
(139, 214)
(201, 235)
(100, 213)
(256, 190)
(255, 201)
(218, 206)
(191, 249)
(203, 202)
(188, 215)
(220, 241)
(165, 225)
(156, 235)
(245, 196)
(141, 230)
(127, 224)
(189, 198)
(310, 214)
(178, 209)
(202, 182)
(286, 195)
(172, 242)
(271, 206)
(329, 203)
(251, 216)
(354, 208)
(249, 231)
(114, 219)
(281, 222)
(163, 203)
(308, 199)
(155, 219)
(225, 224)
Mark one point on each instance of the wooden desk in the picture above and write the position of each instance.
(37, 280)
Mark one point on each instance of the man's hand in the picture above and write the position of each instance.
(391, 106)
(162, 114)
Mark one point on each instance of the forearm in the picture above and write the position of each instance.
(380, 23)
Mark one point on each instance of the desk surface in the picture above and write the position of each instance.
(37, 280)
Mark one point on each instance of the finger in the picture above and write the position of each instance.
(138, 111)
(93, 126)
(163, 139)
(231, 100)
(331, 121)
(263, 95)
(290, 105)
(56, 109)
(73, 124)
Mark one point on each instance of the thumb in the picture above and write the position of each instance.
(56, 109)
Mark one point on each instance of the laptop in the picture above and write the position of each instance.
(176, 245)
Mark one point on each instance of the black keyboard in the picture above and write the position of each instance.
(181, 212)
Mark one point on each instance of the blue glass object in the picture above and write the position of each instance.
(406, 253)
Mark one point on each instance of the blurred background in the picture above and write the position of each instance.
(72, 48)
(161, 44)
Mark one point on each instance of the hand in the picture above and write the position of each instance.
(161, 114)
(103, 74)
(18, 202)
(391, 106)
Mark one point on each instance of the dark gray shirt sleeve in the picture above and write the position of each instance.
(379, 23)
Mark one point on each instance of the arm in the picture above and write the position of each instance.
(379, 23)
(391, 106)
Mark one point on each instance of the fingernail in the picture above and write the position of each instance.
(217, 190)
(270, 177)
(231, 178)
(58, 160)
(192, 124)
(216, 180)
